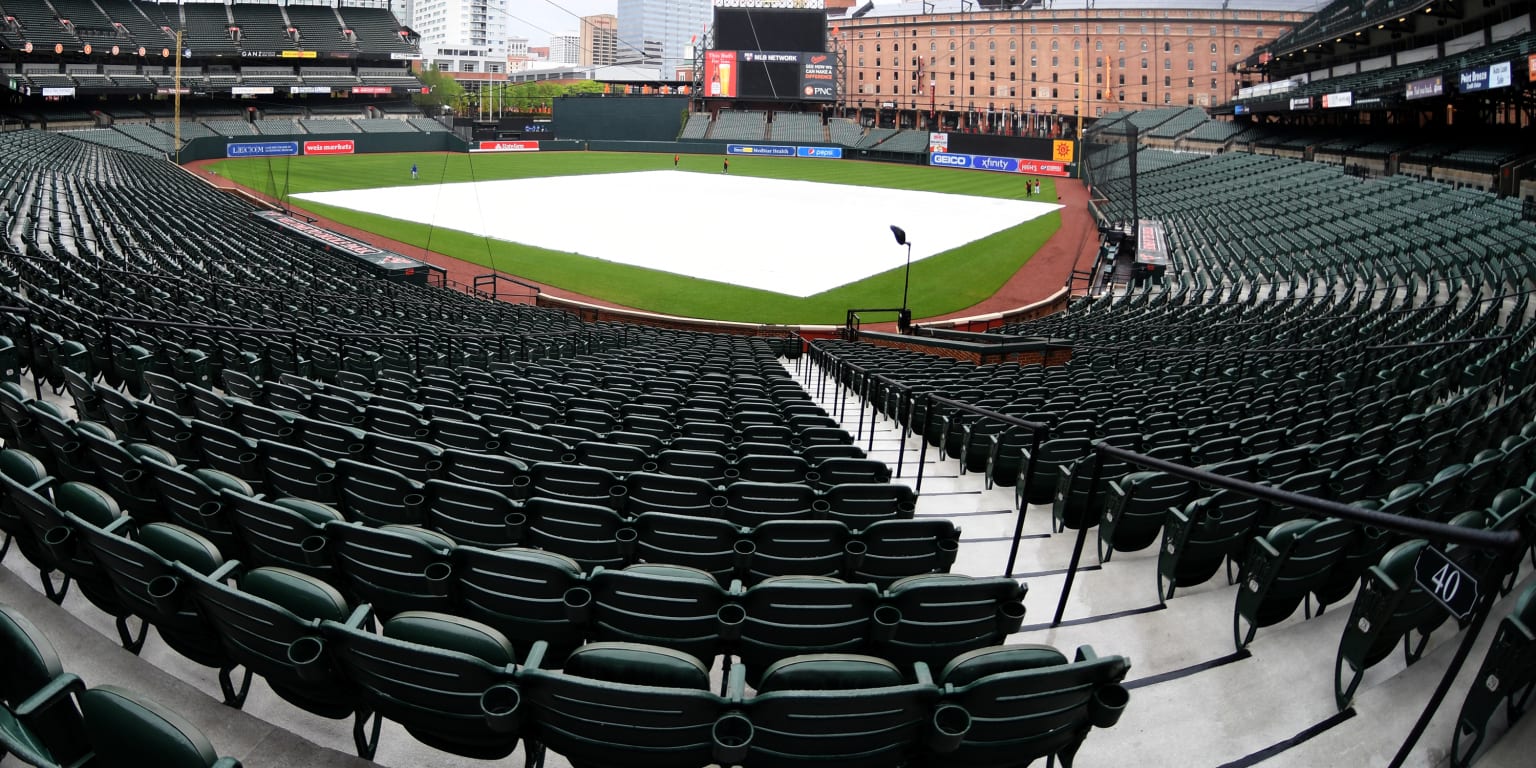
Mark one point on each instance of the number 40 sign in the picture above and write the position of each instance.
(1446, 581)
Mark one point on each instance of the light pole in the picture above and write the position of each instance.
(904, 319)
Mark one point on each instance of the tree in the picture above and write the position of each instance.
(540, 96)
(441, 89)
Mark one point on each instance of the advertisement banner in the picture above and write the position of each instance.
(405, 56)
(769, 57)
(720, 74)
(999, 164)
(508, 146)
(1530, 68)
(1340, 99)
(336, 147)
(1427, 88)
(298, 54)
(309, 89)
(1151, 244)
(763, 150)
(818, 76)
(368, 89)
(950, 160)
(251, 90)
(827, 153)
(65, 91)
(1487, 78)
(1061, 151)
(938, 142)
(1043, 168)
(261, 148)
(1301, 102)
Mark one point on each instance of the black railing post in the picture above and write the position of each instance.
(1488, 593)
(1082, 536)
(863, 396)
(922, 451)
(874, 410)
(37, 375)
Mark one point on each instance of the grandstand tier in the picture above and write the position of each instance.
(1185, 517)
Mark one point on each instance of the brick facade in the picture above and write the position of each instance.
(990, 70)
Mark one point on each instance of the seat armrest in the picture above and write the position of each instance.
(57, 689)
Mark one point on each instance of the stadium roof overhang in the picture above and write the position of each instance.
(1344, 31)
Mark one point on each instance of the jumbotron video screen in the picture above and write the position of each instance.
(770, 54)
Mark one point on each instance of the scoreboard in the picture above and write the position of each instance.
(765, 53)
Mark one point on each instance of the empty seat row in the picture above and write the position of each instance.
(456, 684)
(150, 485)
(413, 444)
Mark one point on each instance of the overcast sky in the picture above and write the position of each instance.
(538, 19)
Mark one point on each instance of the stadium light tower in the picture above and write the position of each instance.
(904, 319)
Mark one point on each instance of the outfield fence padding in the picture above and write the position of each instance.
(217, 147)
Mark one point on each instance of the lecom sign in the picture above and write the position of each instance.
(342, 147)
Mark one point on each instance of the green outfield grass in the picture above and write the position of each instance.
(943, 283)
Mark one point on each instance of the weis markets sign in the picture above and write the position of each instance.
(338, 147)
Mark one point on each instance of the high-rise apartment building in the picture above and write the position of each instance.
(673, 23)
(403, 10)
(599, 40)
(565, 49)
(478, 26)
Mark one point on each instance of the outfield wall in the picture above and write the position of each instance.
(696, 147)
(218, 147)
(602, 118)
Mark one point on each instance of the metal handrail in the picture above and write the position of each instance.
(1037, 431)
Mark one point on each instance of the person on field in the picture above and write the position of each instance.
(726, 166)
(413, 172)
(675, 159)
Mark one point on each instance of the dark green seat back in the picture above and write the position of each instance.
(128, 731)
(1026, 701)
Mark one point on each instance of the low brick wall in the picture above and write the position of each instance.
(1050, 305)
(1046, 353)
(594, 313)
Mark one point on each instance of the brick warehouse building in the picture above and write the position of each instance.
(975, 66)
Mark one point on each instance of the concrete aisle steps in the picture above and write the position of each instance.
(1195, 699)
